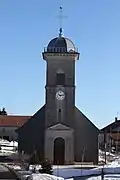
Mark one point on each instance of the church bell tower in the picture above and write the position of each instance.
(55, 132)
(60, 56)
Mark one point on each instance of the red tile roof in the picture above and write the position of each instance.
(13, 121)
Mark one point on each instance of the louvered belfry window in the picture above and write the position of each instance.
(60, 79)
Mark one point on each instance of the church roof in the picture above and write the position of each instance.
(34, 120)
(61, 43)
(84, 120)
(12, 120)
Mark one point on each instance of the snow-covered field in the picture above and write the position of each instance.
(107, 177)
(112, 171)
(44, 177)
(8, 148)
(109, 156)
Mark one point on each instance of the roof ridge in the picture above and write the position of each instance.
(15, 115)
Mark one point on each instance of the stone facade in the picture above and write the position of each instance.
(59, 130)
(67, 135)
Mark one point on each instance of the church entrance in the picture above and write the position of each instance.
(59, 151)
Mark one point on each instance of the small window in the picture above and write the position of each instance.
(3, 130)
(59, 115)
(60, 79)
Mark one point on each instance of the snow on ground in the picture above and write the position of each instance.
(4, 142)
(7, 147)
(109, 156)
(6, 152)
(111, 168)
(68, 173)
(37, 167)
(39, 176)
(15, 167)
(107, 177)
(44, 177)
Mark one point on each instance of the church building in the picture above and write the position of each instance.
(59, 131)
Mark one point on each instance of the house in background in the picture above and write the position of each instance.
(109, 137)
(8, 125)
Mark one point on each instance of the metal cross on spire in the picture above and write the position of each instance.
(61, 21)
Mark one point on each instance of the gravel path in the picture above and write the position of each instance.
(6, 174)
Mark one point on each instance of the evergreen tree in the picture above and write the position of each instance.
(3, 112)
(46, 167)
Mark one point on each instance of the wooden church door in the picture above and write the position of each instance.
(59, 151)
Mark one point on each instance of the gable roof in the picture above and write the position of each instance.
(85, 117)
(111, 126)
(13, 121)
(38, 116)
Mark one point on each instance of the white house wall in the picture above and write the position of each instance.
(8, 131)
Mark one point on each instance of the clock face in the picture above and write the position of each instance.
(60, 95)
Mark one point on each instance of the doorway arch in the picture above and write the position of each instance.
(59, 151)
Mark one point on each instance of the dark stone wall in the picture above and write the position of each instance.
(68, 67)
(31, 134)
(85, 139)
(50, 109)
(70, 104)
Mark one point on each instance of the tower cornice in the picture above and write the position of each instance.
(61, 56)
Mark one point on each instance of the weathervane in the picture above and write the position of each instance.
(61, 18)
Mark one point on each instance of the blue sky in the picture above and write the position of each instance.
(25, 29)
